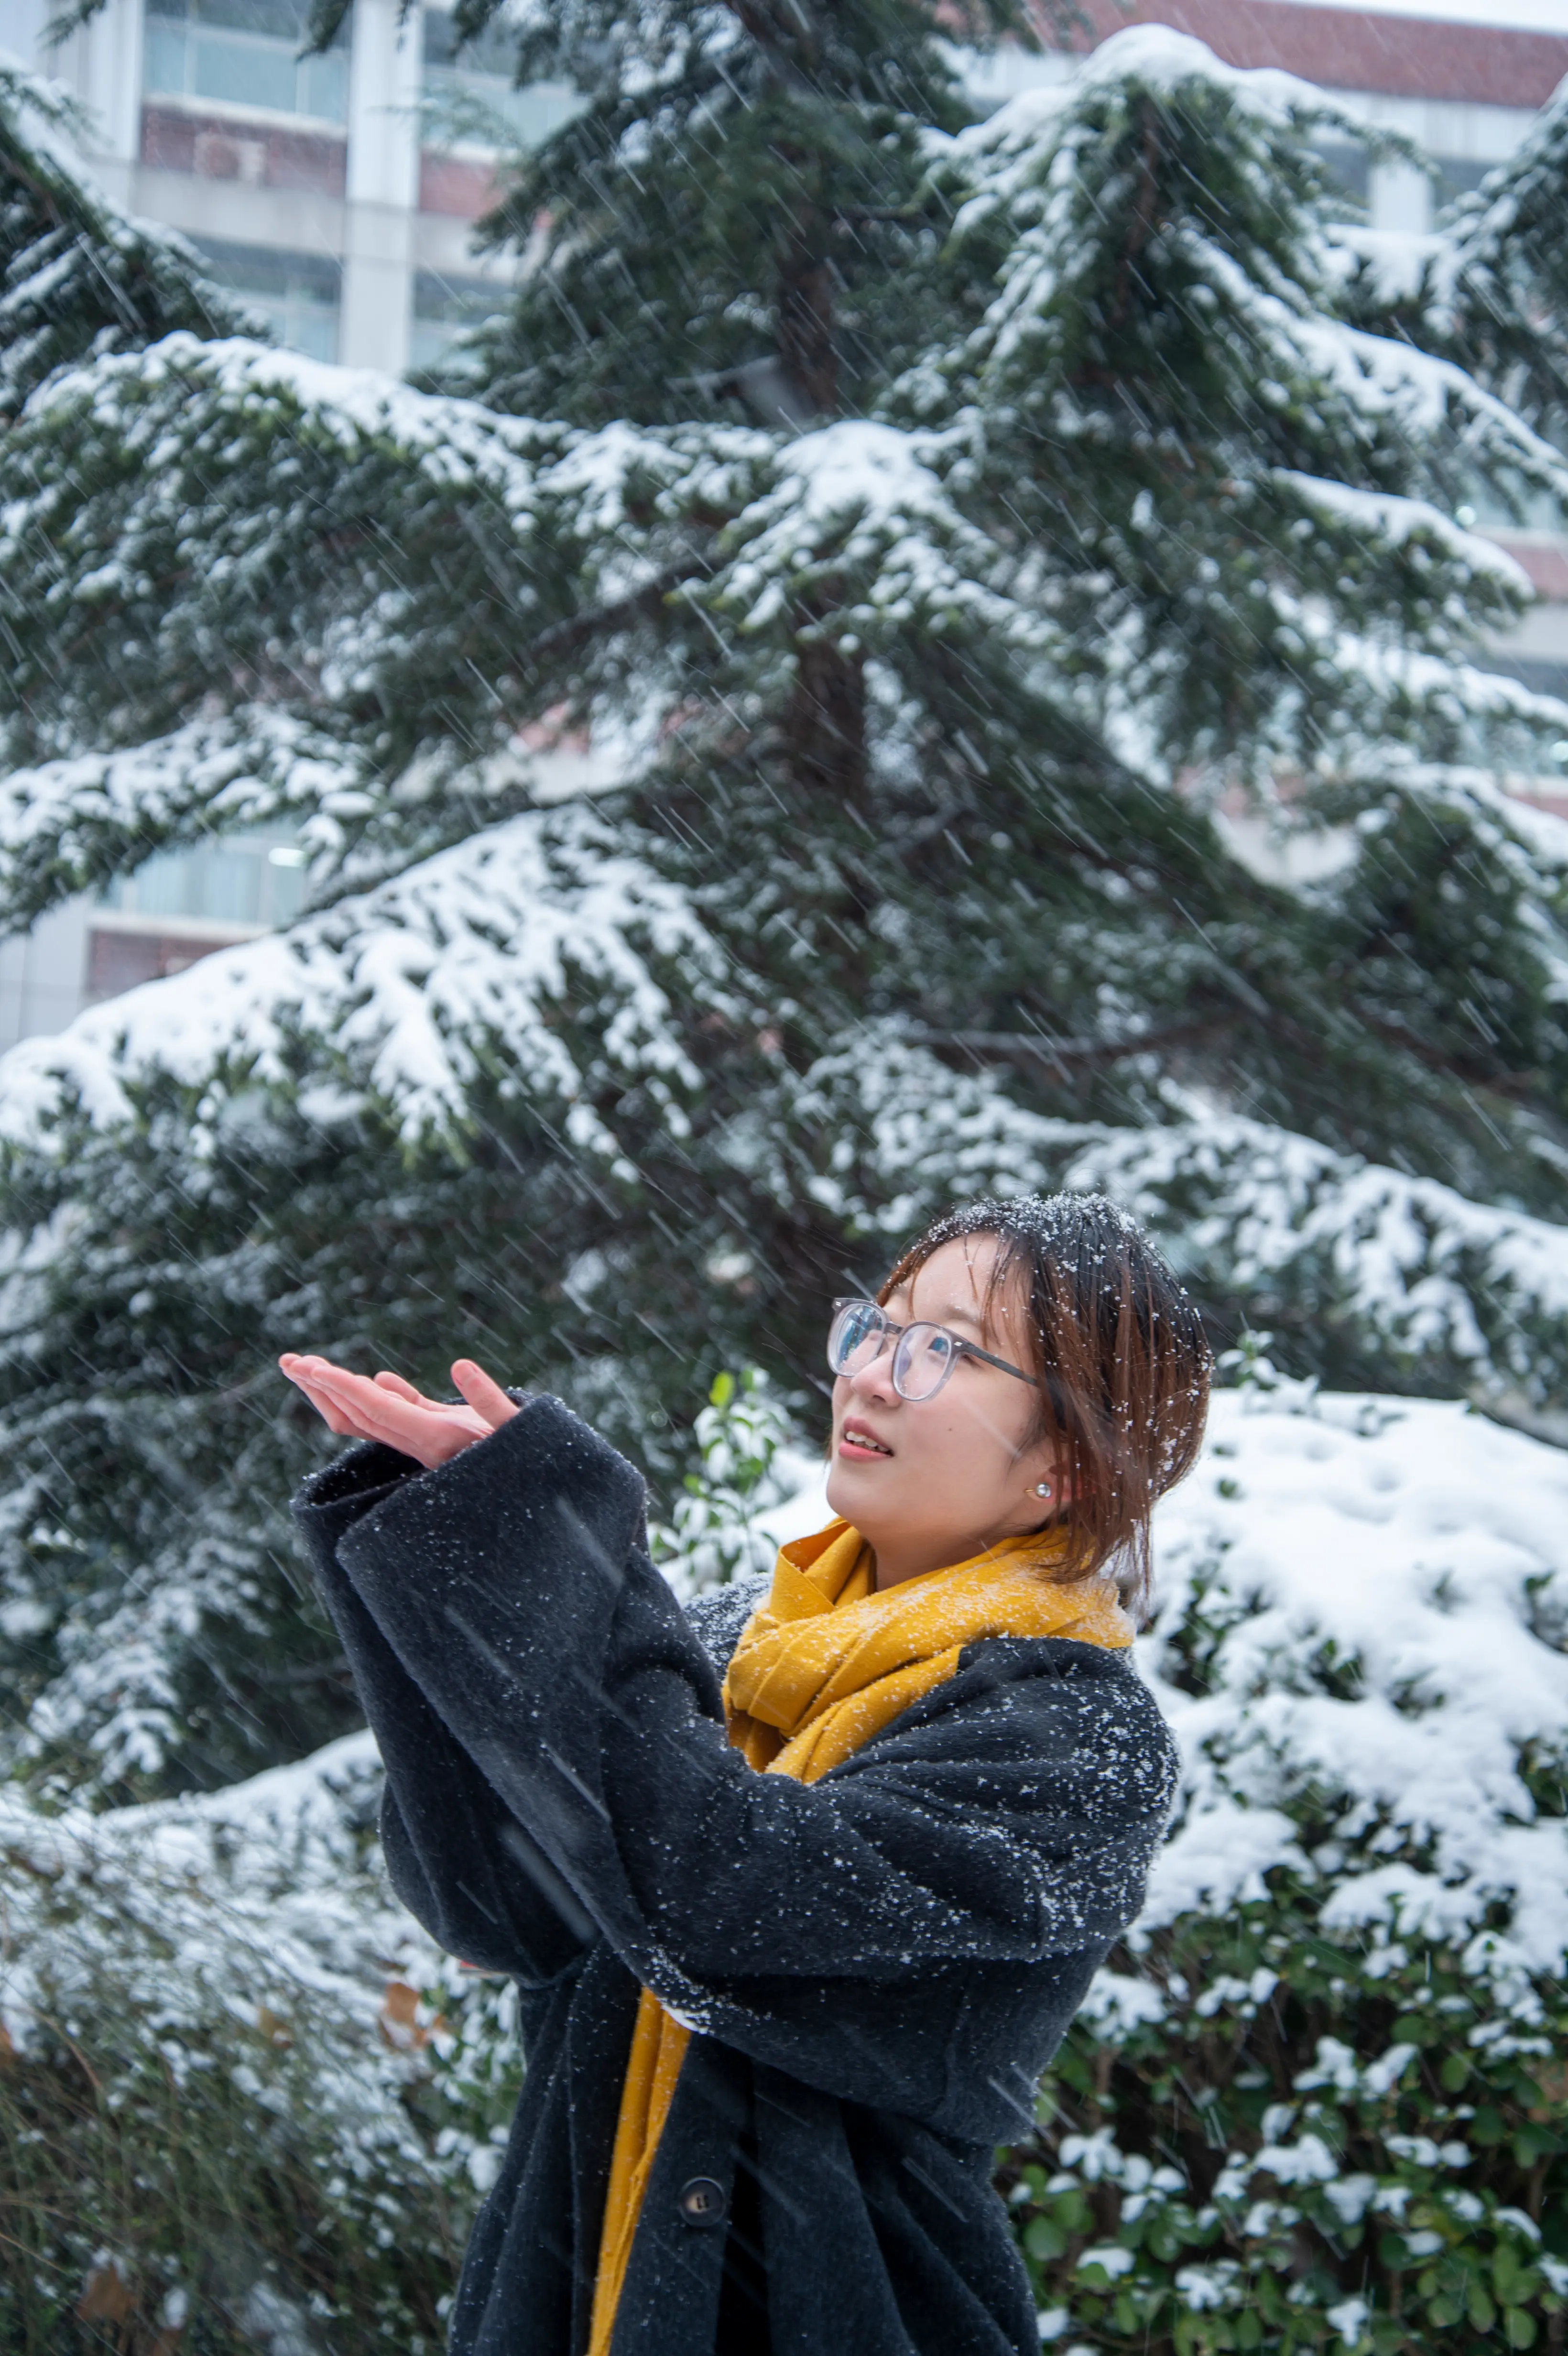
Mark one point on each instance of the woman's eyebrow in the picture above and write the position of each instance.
(954, 1313)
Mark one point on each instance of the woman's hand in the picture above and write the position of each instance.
(392, 1411)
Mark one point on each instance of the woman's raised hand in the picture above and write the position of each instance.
(390, 1411)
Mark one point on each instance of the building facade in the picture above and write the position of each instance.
(336, 195)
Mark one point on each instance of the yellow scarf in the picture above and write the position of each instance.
(821, 1667)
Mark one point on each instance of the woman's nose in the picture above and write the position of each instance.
(875, 1381)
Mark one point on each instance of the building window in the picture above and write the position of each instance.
(245, 883)
(443, 307)
(180, 906)
(469, 97)
(244, 53)
(296, 294)
(1457, 176)
(1347, 167)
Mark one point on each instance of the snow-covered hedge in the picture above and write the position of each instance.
(238, 2087)
(1319, 2100)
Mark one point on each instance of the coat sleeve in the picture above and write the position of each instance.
(456, 1856)
(513, 1586)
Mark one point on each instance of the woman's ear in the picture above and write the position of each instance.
(1050, 1488)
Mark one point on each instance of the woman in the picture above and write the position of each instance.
(793, 1948)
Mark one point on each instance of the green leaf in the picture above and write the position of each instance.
(1044, 2239)
(1482, 2312)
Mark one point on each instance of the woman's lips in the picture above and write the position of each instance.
(857, 1441)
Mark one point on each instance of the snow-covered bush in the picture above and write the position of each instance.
(238, 2088)
(1319, 2099)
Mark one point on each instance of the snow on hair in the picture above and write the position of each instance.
(1120, 1353)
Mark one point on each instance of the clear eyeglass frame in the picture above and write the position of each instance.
(924, 1354)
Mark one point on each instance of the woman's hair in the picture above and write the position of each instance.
(1120, 1356)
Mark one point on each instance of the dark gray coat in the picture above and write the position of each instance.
(880, 1964)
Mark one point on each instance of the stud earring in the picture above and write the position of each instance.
(1042, 1488)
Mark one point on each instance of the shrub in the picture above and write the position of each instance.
(1319, 2099)
(243, 2103)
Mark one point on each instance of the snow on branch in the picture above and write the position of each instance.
(860, 515)
(237, 524)
(82, 276)
(406, 989)
(69, 825)
(1361, 514)
(1079, 184)
(883, 1137)
(1496, 297)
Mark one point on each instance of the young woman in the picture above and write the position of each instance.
(802, 1885)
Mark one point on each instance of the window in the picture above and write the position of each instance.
(1346, 166)
(1457, 175)
(296, 294)
(470, 100)
(443, 307)
(255, 879)
(244, 53)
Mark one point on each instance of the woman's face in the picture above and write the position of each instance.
(932, 1481)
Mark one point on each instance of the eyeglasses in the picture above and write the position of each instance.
(923, 1355)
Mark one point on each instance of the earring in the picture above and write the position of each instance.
(1042, 1488)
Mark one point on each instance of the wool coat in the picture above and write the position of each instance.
(878, 1966)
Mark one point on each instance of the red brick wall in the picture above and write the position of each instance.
(1351, 48)
(455, 185)
(1547, 567)
(216, 147)
(117, 961)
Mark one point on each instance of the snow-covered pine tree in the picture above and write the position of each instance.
(1492, 294)
(921, 665)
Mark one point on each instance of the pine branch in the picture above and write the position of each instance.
(564, 637)
(990, 1047)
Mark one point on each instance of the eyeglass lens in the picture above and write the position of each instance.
(924, 1355)
(858, 1328)
(923, 1360)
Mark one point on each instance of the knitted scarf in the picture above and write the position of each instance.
(821, 1667)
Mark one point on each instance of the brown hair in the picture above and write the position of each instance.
(1120, 1355)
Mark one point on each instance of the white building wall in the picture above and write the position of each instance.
(41, 974)
(384, 87)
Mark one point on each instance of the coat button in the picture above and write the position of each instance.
(703, 2202)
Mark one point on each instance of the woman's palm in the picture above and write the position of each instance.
(392, 1411)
